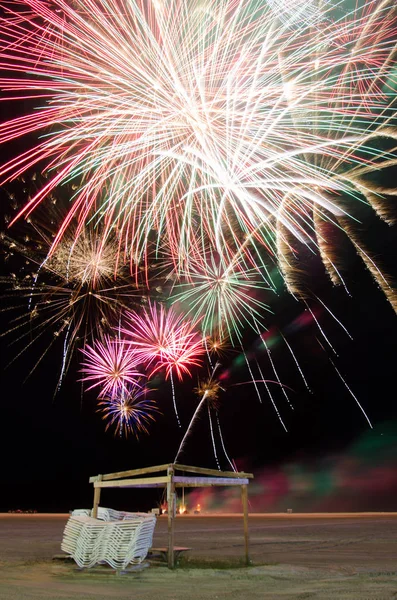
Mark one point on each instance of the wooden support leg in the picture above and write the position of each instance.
(244, 499)
(97, 497)
(171, 500)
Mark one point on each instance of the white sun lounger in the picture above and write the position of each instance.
(118, 543)
(107, 514)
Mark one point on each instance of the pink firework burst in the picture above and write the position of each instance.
(111, 364)
(161, 337)
(165, 340)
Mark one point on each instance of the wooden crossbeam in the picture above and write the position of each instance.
(185, 481)
(130, 473)
(176, 467)
(128, 483)
(216, 473)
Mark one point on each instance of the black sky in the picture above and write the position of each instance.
(50, 446)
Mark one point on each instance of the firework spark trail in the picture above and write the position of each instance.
(271, 398)
(213, 438)
(188, 430)
(34, 283)
(326, 248)
(351, 393)
(222, 442)
(65, 357)
(268, 352)
(208, 392)
(381, 279)
(174, 399)
(334, 317)
(321, 330)
(200, 126)
(208, 353)
(296, 362)
(254, 381)
(374, 194)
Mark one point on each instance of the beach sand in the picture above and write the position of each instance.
(352, 557)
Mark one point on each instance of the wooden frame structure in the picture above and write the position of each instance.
(201, 478)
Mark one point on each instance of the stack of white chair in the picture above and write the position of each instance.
(110, 514)
(116, 542)
(107, 514)
(81, 512)
(83, 540)
(129, 541)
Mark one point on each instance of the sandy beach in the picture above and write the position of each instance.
(324, 556)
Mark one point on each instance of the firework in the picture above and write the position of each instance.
(129, 411)
(161, 339)
(351, 393)
(208, 392)
(164, 340)
(75, 294)
(216, 348)
(233, 137)
(111, 365)
(215, 125)
(209, 388)
(222, 294)
(306, 11)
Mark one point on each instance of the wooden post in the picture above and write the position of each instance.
(171, 515)
(244, 499)
(97, 497)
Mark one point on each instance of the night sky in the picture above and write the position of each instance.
(51, 444)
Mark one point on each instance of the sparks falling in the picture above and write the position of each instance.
(230, 121)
